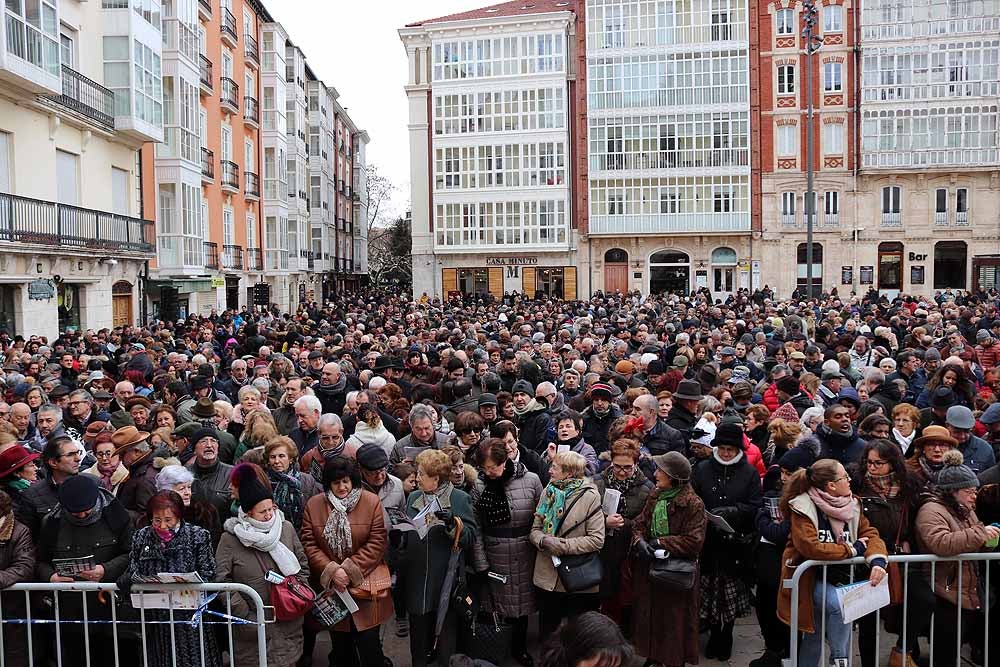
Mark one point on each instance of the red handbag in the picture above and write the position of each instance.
(291, 598)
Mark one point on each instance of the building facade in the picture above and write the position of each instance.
(929, 182)
(491, 97)
(780, 113)
(668, 146)
(79, 94)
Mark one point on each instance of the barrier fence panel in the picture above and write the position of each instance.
(924, 565)
(95, 625)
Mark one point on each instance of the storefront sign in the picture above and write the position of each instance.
(511, 261)
(847, 275)
(867, 275)
(917, 275)
(218, 281)
(41, 290)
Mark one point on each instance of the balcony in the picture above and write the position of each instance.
(941, 218)
(205, 75)
(211, 256)
(252, 190)
(251, 51)
(232, 257)
(205, 10)
(251, 111)
(26, 220)
(228, 28)
(230, 177)
(255, 260)
(85, 99)
(656, 223)
(892, 219)
(831, 219)
(788, 219)
(962, 218)
(207, 165)
(230, 98)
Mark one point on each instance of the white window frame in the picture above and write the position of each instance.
(834, 135)
(833, 19)
(784, 22)
(785, 76)
(833, 77)
(786, 140)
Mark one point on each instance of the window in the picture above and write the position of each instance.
(251, 231)
(147, 85)
(787, 140)
(802, 259)
(833, 139)
(831, 206)
(833, 81)
(228, 231)
(785, 19)
(614, 30)
(788, 207)
(68, 175)
(941, 201)
(67, 47)
(721, 19)
(786, 79)
(33, 33)
(6, 163)
(962, 200)
(119, 191)
(890, 199)
(950, 261)
(833, 18)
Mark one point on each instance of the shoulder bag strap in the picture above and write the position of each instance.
(578, 523)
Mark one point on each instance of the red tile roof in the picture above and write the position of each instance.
(504, 9)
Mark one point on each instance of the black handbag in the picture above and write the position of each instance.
(491, 636)
(674, 573)
(578, 573)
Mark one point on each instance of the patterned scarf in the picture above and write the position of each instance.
(931, 470)
(838, 509)
(553, 503)
(19, 484)
(288, 494)
(623, 486)
(493, 506)
(661, 524)
(884, 485)
(337, 531)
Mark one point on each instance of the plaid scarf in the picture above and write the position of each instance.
(288, 494)
(884, 485)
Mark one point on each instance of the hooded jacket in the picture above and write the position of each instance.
(595, 427)
(534, 426)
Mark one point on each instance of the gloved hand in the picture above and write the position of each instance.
(644, 550)
(548, 544)
(447, 518)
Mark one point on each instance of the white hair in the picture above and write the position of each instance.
(172, 475)
(310, 403)
(246, 390)
(377, 383)
(330, 419)
(646, 358)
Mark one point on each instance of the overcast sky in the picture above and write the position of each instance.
(354, 47)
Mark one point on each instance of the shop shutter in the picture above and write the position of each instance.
(528, 282)
(449, 281)
(569, 279)
(496, 281)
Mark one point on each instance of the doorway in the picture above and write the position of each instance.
(669, 273)
(549, 283)
(7, 315)
(232, 293)
(723, 273)
(121, 304)
(949, 265)
(69, 306)
(890, 268)
(615, 271)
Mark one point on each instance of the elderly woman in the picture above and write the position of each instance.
(257, 540)
(672, 519)
(826, 524)
(811, 419)
(889, 499)
(625, 477)
(345, 538)
(170, 544)
(905, 419)
(947, 526)
(108, 469)
(138, 408)
(424, 561)
(163, 416)
(568, 522)
(35, 398)
(292, 488)
(463, 475)
(928, 455)
(730, 488)
(505, 497)
(175, 477)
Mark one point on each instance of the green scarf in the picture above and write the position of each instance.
(19, 484)
(553, 503)
(661, 523)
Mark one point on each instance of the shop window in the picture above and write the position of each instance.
(950, 258)
(473, 282)
(550, 282)
(890, 266)
(69, 306)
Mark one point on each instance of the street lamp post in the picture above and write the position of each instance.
(813, 42)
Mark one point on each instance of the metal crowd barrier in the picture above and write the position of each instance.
(905, 562)
(51, 628)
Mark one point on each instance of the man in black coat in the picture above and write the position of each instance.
(61, 457)
(599, 416)
(658, 437)
(682, 414)
(532, 418)
(837, 437)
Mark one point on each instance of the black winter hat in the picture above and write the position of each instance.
(788, 384)
(728, 435)
(79, 493)
(249, 487)
(372, 457)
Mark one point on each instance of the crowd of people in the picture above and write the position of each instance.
(663, 460)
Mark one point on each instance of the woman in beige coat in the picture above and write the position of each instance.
(948, 526)
(568, 522)
(259, 539)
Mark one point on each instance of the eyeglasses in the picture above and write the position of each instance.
(841, 479)
(620, 468)
(875, 463)
(76, 454)
(104, 455)
(937, 445)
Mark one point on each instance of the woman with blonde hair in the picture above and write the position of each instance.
(370, 430)
(258, 430)
(783, 435)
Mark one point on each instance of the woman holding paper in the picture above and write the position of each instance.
(826, 524)
(171, 544)
(345, 537)
(948, 526)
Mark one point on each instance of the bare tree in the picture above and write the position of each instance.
(389, 252)
(379, 190)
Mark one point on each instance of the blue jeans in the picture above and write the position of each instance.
(838, 634)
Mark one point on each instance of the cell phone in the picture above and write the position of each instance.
(502, 578)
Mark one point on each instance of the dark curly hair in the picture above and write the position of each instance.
(340, 467)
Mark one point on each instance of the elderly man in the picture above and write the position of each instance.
(307, 413)
(132, 446)
(332, 389)
(211, 476)
(48, 423)
(422, 436)
(237, 378)
(657, 436)
(124, 391)
(284, 414)
(20, 418)
(331, 444)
